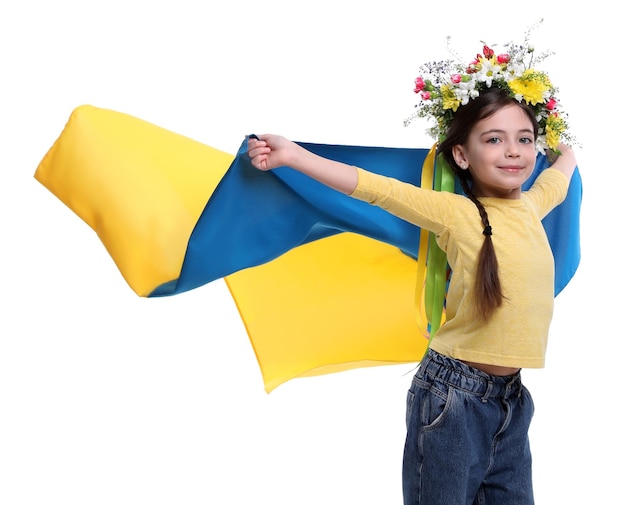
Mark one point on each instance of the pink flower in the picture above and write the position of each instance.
(419, 84)
(503, 58)
(425, 95)
(551, 104)
(455, 78)
(471, 68)
(488, 52)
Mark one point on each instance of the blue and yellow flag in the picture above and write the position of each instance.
(322, 282)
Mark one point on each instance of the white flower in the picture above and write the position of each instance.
(541, 144)
(514, 69)
(466, 91)
(488, 72)
(463, 92)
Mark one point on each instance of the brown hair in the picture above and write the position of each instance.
(488, 290)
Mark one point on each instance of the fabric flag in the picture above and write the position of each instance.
(322, 282)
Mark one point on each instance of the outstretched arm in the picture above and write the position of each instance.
(566, 161)
(271, 151)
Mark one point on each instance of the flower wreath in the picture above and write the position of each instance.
(444, 86)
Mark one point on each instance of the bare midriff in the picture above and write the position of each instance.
(493, 369)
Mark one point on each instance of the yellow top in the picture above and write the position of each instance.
(516, 335)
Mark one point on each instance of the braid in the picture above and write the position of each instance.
(488, 290)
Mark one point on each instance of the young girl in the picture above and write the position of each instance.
(468, 413)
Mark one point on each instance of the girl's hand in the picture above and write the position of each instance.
(271, 151)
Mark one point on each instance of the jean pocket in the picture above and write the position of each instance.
(528, 403)
(410, 402)
(436, 405)
(418, 385)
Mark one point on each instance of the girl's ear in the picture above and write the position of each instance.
(460, 157)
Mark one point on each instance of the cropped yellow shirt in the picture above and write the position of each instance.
(517, 333)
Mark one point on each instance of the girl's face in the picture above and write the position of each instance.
(499, 153)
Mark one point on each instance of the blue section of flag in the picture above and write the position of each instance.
(253, 217)
(562, 226)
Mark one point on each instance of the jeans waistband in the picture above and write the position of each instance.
(457, 374)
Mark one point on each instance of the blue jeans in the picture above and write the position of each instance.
(467, 437)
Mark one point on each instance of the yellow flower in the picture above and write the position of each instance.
(449, 99)
(554, 127)
(531, 85)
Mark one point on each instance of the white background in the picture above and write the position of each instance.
(109, 398)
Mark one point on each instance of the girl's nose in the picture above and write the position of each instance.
(512, 150)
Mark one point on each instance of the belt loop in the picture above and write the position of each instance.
(485, 397)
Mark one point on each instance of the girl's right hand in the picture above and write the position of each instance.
(271, 151)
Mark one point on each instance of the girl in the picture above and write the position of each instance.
(468, 413)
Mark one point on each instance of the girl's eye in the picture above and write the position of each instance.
(526, 140)
(493, 140)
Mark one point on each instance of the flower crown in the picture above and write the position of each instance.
(444, 86)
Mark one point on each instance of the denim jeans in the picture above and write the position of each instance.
(467, 437)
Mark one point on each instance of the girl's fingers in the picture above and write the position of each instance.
(256, 151)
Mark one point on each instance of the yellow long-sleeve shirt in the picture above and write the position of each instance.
(517, 333)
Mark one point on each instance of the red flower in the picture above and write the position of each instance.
(419, 84)
(503, 58)
(471, 68)
(455, 78)
(425, 95)
(551, 104)
(488, 52)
